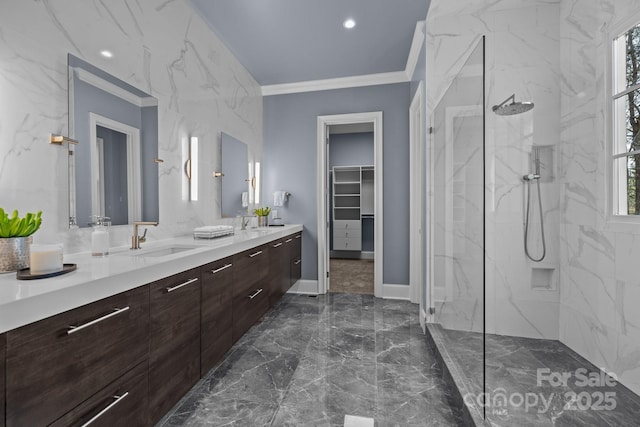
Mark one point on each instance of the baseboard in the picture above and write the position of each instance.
(390, 291)
(305, 287)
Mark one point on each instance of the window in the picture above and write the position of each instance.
(626, 122)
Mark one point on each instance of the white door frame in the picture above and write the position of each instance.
(134, 178)
(416, 192)
(375, 118)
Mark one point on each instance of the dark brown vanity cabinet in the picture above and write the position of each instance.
(216, 314)
(278, 270)
(250, 288)
(2, 382)
(295, 258)
(56, 364)
(174, 340)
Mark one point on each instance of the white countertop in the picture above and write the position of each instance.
(26, 301)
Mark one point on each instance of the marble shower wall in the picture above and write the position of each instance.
(522, 57)
(163, 48)
(600, 287)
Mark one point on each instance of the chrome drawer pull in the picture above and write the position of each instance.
(111, 405)
(288, 240)
(116, 311)
(220, 269)
(298, 262)
(298, 236)
(188, 282)
(277, 245)
(255, 254)
(256, 294)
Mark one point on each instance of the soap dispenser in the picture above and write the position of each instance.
(100, 236)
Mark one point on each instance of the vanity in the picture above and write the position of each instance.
(120, 340)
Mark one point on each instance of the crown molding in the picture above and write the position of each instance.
(356, 81)
(337, 83)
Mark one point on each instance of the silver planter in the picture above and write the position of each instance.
(14, 253)
(263, 221)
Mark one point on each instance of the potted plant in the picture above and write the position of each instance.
(15, 239)
(263, 216)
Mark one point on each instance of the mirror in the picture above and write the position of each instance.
(113, 170)
(235, 167)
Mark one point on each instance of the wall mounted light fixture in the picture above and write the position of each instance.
(60, 139)
(191, 168)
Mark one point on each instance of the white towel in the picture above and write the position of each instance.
(278, 198)
(245, 199)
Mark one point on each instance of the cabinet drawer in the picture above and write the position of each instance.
(216, 314)
(248, 308)
(251, 266)
(174, 340)
(347, 244)
(346, 224)
(347, 233)
(55, 364)
(121, 403)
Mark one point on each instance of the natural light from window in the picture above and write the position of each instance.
(626, 122)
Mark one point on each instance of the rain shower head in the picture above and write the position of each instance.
(504, 109)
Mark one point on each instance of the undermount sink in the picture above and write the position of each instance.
(164, 251)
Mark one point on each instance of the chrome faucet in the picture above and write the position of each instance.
(245, 223)
(136, 239)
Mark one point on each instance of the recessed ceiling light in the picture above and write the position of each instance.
(106, 54)
(349, 23)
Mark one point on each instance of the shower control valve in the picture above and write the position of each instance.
(530, 177)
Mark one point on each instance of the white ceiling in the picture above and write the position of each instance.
(287, 41)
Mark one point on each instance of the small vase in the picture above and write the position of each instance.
(14, 253)
(263, 221)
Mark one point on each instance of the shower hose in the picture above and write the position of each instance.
(526, 226)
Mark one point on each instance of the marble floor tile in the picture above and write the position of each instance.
(311, 361)
(512, 367)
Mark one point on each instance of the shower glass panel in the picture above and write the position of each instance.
(457, 292)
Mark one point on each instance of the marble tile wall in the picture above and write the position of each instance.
(519, 37)
(600, 287)
(161, 47)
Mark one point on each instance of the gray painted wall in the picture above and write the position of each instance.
(349, 149)
(289, 157)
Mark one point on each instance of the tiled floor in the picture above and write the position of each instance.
(312, 361)
(539, 398)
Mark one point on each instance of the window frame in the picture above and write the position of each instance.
(614, 186)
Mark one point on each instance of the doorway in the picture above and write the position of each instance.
(350, 203)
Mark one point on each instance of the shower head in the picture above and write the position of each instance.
(504, 109)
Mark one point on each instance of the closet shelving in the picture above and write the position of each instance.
(352, 201)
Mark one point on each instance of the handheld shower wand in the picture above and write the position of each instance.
(530, 178)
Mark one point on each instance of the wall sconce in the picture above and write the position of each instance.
(256, 186)
(254, 182)
(191, 168)
(60, 139)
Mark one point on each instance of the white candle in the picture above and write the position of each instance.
(45, 259)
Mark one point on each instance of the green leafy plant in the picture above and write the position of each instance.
(15, 226)
(262, 211)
